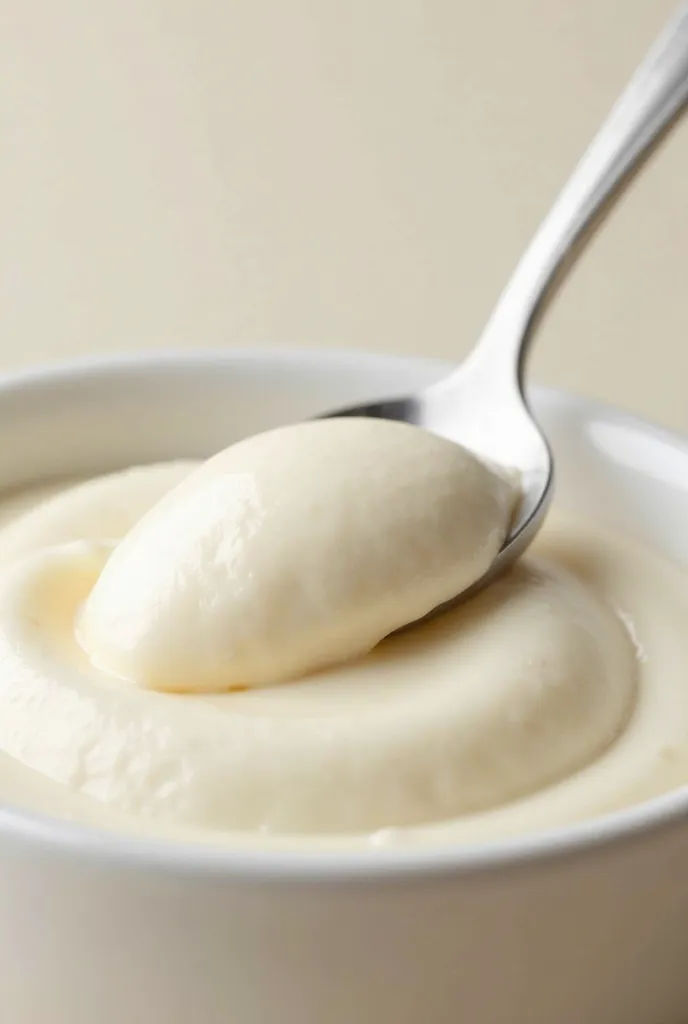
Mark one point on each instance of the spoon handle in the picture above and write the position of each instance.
(654, 97)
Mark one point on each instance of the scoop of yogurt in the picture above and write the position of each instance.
(293, 550)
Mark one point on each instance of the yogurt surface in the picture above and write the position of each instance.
(157, 677)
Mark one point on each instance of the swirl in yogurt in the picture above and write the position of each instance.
(205, 650)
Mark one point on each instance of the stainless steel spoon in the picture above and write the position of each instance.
(482, 404)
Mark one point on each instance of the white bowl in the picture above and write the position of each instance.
(588, 925)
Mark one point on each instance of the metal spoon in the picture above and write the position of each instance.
(482, 404)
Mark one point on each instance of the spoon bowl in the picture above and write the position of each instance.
(482, 404)
(489, 415)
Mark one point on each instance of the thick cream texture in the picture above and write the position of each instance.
(528, 707)
(295, 549)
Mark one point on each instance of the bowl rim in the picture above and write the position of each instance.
(631, 825)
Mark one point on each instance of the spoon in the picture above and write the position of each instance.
(482, 404)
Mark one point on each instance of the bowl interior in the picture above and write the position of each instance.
(92, 418)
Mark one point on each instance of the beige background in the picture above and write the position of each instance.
(327, 172)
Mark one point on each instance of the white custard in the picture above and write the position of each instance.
(529, 706)
(292, 550)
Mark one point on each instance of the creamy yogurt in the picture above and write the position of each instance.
(292, 550)
(158, 676)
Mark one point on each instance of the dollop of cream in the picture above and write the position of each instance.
(292, 550)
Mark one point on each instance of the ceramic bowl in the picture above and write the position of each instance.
(586, 925)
